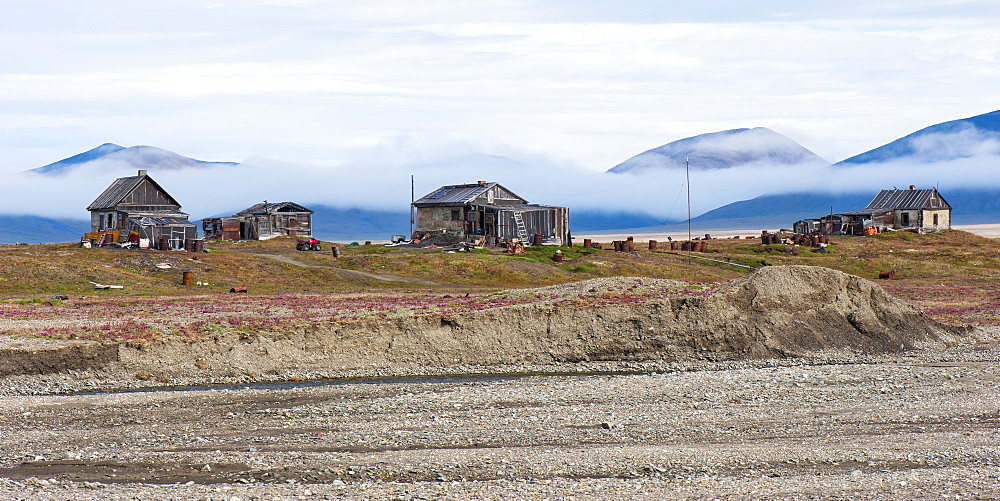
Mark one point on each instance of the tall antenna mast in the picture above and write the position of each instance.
(411, 206)
(687, 183)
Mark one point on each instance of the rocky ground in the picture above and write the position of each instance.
(916, 425)
(796, 383)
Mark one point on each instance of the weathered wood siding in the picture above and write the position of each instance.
(146, 196)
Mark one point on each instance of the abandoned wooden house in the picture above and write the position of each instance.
(921, 210)
(139, 211)
(491, 214)
(261, 222)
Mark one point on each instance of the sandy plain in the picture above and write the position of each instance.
(983, 230)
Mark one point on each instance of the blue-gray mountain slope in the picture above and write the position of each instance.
(945, 141)
(720, 150)
(39, 230)
(138, 157)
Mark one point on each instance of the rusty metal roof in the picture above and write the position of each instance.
(121, 188)
(522, 207)
(115, 193)
(908, 200)
(272, 208)
(865, 212)
(459, 194)
(456, 193)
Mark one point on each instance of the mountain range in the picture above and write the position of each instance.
(963, 138)
(722, 150)
(136, 157)
(736, 148)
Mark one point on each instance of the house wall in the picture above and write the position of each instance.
(552, 223)
(435, 219)
(496, 225)
(905, 218)
(107, 220)
(176, 235)
(259, 227)
(944, 220)
(297, 224)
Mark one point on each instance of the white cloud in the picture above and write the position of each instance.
(966, 142)
(576, 87)
(379, 178)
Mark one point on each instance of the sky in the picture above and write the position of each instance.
(340, 102)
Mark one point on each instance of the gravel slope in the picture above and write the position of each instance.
(916, 425)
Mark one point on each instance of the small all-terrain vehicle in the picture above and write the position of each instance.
(308, 245)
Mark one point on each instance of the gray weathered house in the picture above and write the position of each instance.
(261, 222)
(922, 210)
(138, 210)
(490, 213)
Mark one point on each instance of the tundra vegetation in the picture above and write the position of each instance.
(950, 275)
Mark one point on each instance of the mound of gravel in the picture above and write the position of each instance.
(774, 312)
(798, 310)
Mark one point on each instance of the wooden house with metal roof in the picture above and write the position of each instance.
(138, 210)
(261, 221)
(492, 214)
(921, 210)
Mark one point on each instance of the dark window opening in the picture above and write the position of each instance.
(935, 219)
(904, 219)
(455, 215)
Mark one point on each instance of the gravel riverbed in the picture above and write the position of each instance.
(917, 425)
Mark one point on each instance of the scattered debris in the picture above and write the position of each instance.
(515, 247)
(105, 287)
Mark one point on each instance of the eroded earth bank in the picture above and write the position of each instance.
(793, 382)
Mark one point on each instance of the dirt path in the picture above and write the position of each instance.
(360, 275)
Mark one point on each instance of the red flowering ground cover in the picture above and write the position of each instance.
(154, 318)
(972, 302)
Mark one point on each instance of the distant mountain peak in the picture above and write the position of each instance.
(963, 138)
(137, 157)
(720, 150)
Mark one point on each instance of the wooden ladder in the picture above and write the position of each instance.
(522, 231)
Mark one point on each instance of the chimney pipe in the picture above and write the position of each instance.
(913, 186)
(481, 182)
(142, 172)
